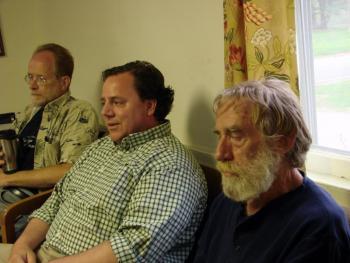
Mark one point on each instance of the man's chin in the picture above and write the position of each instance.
(37, 102)
(115, 136)
(240, 197)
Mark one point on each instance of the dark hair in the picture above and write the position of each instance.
(64, 61)
(149, 84)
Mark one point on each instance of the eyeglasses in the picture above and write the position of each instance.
(39, 79)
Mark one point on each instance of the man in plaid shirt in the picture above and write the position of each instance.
(136, 195)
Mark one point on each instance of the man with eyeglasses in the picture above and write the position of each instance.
(54, 129)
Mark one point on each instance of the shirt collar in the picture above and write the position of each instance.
(56, 103)
(134, 140)
(52, 106)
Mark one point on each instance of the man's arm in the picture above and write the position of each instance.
(100, 253)
(37, 178)
(32, 236)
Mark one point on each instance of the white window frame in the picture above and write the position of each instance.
(328, 167)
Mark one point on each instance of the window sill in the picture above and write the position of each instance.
(331, 171)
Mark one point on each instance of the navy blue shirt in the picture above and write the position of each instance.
(304, 225)
(27, 141)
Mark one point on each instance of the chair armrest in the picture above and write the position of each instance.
(22, 207)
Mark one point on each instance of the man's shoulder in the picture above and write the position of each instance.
(320, 201)
(310, 208)
(67, 103)
(74, 103)
(170, 149)
(98, 148)
(169, 155)
(73, 108)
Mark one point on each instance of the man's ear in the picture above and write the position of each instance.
(65, 82)
(151, 107)
(285, 143)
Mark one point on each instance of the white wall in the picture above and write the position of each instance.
(184, 39)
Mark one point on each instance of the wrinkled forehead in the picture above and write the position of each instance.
(240, 106)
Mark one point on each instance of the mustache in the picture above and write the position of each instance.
(227, 167)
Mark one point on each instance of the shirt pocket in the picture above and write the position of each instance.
(52, 154)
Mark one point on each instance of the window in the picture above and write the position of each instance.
(323, 40)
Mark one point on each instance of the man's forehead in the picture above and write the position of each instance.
(235, 115)
(119, 86)
(241, 106)
(43, 60)
(44, 56)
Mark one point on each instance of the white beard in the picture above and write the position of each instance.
(249, 181)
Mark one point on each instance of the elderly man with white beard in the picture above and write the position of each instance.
(270, 211)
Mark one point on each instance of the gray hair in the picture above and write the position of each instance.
(276, 113)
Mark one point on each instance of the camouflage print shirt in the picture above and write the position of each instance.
(68, 125)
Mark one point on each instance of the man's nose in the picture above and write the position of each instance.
(224, 150)
(106, 110)
(33, 83)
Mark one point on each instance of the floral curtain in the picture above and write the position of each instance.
(260, 41)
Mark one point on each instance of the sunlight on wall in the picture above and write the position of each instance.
(182, 38)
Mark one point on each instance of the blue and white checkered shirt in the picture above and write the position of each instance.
(146, 195)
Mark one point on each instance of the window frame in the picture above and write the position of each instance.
(330, 166)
